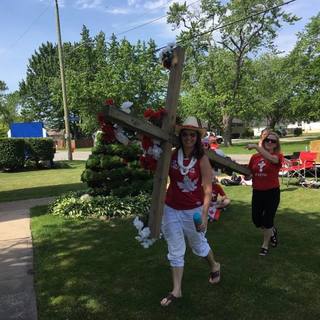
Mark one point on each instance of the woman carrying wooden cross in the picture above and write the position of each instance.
(189, 192)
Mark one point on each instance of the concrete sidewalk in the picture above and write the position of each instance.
(17, 296)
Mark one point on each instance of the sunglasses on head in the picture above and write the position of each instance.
(268, 140)
(189, 134)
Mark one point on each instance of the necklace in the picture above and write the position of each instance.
(184, 170)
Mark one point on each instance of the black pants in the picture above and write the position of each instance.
(264, 206)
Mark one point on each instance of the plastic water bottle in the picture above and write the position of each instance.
(197, 219)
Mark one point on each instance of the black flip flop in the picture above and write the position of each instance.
(170, 298)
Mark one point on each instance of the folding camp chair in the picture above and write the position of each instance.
(308, 162)
(291, 168)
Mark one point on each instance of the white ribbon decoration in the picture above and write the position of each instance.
(184, 170)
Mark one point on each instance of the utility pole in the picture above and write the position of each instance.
(63, 85)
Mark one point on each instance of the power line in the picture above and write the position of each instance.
(138, 26)
(29, 27)
(231, 23)
(151, 21)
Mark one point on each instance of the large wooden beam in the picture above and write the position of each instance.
(228, 163)
(140, 125)
(168, 125)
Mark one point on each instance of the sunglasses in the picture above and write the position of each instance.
(267, 140)
(187, 134)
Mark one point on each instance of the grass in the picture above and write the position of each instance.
(96, 270)
(286, 147)
(41, 183)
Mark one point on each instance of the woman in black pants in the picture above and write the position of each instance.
(265, 166)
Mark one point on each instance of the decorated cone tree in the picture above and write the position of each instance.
(113, 168)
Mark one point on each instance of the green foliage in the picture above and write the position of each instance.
(113, 169)
(95, 71)
(39, 149)
(80, 205)
(12, 154)
(223, 91)
(37, 89)
(8, 109)
(304, 63)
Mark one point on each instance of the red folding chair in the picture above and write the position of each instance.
(291, 168)
(308, 162)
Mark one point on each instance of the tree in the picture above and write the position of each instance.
(271, 89)
(8, 108)
(95, 70)
(304, 61)
(36, 90)
(243, 32)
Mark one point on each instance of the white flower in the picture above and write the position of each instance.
(145, 232)
(85, 197)
(156, 152)
(120, 136)
(125, 107)
(138, 223)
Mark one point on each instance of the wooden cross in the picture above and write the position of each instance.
(167, 137)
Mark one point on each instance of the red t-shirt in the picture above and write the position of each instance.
(184, 192)
(216, 190)
(264, 173)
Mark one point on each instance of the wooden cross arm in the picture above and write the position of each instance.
(228, 163)
(115, 115)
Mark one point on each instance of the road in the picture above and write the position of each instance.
(83, 155)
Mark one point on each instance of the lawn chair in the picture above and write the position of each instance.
(308, 162)
(291, 168)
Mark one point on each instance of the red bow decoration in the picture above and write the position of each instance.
(154, 115)
(109, 102)
(148, 162)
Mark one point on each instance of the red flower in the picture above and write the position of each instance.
(148, 113)
(148, 163)
(108, 131)
(109, 102)
(146, 143)
(101, 118)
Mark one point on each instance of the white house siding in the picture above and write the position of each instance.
(306, 127)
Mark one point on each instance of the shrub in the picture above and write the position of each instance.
(12, 153)
(79, 205)
(39, 149)
(297, 132)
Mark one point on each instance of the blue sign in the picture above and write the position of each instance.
(27, 130)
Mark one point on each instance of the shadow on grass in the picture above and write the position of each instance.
(93, 269)
(40, 192)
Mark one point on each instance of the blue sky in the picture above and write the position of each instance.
(25, 24)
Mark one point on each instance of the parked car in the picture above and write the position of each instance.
(281, 132)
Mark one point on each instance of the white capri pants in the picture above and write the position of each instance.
(178, 225)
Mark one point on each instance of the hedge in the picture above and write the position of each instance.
(39, 149)
(12, 153)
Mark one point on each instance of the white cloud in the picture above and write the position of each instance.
(133, 2)
(116, 11)
(88, 4)
(153, 5)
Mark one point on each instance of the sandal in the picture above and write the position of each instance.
(214, 276)
(169, 299)
(274, 238)
(263, 252)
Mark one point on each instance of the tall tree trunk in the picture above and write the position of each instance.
(227, 130)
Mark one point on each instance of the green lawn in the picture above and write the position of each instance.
(96, 270)
(286, 147)
(41, 183)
